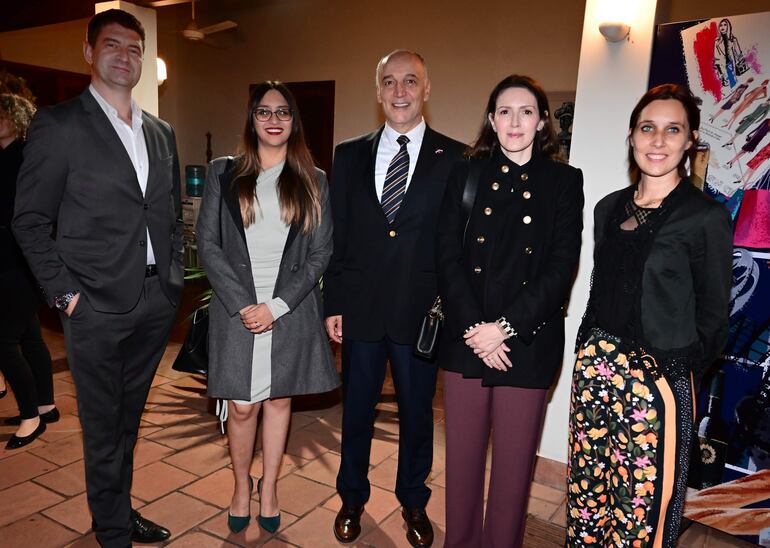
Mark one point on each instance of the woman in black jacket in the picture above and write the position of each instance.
(504, 274)
(24, 357)
(656, 318)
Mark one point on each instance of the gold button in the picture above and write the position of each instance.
(527, 194)
(495, 185)
(477, 270)
(481, 239)
(487, 211)
(392, 233)
(528, 250)
(505, 169)
(524, 176)
(527, 219)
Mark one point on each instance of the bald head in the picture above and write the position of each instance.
(397, 55)
(402, 89)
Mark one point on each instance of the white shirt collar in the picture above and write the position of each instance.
(109, 110)
(415, 134)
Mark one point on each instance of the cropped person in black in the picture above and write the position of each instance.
(24, 357)
(657, 317)
(504, 276)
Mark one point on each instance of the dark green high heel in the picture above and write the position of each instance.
(236, 524)
(269, 524)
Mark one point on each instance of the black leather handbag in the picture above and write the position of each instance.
(427, 339)
(430, 328)
(193, 357)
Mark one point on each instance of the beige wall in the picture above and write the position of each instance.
(467, 51)
(57, 46)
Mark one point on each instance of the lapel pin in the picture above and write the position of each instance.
(439, 151)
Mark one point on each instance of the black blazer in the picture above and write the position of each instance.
(521, 251)
(382, 277)
(81, 219)
(685, 291)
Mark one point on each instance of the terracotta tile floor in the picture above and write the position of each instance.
(183, 480)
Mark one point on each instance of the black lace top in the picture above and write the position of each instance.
(618, 270)
(615, 302)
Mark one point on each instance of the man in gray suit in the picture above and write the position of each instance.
(98, 218)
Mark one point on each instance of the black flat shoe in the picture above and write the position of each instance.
(48, 417)
(146, 531)
(3, 393)
(20, 441)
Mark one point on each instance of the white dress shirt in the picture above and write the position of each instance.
(132, 138)
(389, 147)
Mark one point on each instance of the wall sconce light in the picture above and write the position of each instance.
(614, 31)
(162, 72)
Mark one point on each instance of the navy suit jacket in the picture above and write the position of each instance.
(382, 277)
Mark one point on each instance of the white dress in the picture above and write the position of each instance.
(265, 240)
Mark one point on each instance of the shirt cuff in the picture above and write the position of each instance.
(277, 307)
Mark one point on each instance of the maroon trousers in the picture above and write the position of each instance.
(515, 417)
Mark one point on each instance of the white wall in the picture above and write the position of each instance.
(611, 78)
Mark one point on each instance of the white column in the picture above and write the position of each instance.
(146, 91)
(611, 78)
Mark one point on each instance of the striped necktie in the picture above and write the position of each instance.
(395, 180)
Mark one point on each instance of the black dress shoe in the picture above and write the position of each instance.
(419, 531)
(20, 441)
(146, 531)
(347, 524)
(48, 417)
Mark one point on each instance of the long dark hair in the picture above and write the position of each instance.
(546, 144)
(664, 92)
(299, 192)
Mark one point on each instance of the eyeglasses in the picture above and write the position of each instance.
(264, 114)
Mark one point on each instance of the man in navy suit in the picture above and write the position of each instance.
(98, 219)
(386, 188)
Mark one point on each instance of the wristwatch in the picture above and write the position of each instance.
(63, 301)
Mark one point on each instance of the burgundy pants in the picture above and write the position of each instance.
(515, 417)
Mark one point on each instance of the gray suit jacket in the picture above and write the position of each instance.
(301, 360)
(81, 218)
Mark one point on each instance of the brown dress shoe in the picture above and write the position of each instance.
(419, 531)
(347, 524)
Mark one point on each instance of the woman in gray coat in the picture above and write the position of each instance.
(265, 238)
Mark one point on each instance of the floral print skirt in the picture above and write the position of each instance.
(629, 441)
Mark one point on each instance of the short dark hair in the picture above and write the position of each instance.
(104, 18)
(664, 92)
(546, 144)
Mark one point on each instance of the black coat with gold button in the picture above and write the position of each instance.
(518, 260)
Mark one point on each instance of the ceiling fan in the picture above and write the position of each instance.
(192, 32)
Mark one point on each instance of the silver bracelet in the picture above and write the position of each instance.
(503, 324)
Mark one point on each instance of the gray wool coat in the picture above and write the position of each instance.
(301, 359)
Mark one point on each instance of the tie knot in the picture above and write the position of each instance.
(402, 140)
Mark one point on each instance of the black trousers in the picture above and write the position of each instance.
(113, 359)
(363, 373)
(24, 357)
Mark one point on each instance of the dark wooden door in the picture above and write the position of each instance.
(50, 86)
